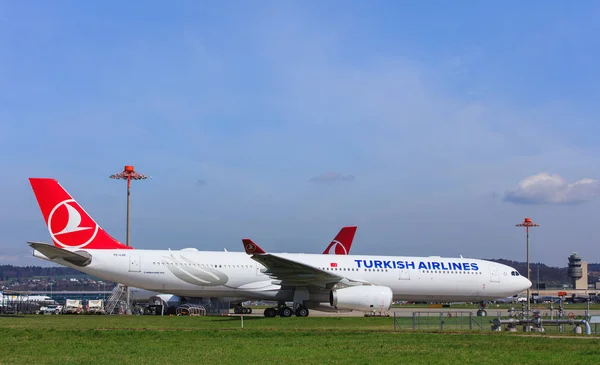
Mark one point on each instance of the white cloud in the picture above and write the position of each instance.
(544, 188)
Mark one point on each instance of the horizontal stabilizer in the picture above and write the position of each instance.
(52, 252)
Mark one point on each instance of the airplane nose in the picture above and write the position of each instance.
(526, 283)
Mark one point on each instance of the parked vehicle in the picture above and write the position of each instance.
(51, 309)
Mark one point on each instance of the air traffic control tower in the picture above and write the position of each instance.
(578, 272)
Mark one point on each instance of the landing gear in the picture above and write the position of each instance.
(284, 311)
(270, 312)
(301, 311)
(242, 310)
(482, 312)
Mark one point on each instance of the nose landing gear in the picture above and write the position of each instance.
(482, 312)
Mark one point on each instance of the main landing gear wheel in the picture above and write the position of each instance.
(242, 310)
(282, 310)
(301, 312)
(270, 312)
(285, 311)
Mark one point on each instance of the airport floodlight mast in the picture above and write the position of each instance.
(128, 174)
(527, 223)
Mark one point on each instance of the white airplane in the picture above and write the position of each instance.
(340, 245)
(311, 281)
(10, 299)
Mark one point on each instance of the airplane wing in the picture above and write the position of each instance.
(52, 252)
(291, 272)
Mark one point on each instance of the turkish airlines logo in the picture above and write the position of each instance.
(336, 248)
(250, 247)
(67, 228)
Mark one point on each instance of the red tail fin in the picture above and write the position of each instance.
(68, 223)
(342, 242)
(251, 247)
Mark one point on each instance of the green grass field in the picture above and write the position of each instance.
(313, 340)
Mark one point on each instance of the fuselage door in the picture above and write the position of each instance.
(494, 278)
(134, 263)
(404, 274)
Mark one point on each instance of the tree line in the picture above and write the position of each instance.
(8, 272)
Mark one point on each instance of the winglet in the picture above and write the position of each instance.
(342, 242)
(251, 247)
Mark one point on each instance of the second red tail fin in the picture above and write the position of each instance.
(68, 223)
(251, 247)
(342, 242)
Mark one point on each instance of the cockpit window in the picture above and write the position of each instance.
(514, 273)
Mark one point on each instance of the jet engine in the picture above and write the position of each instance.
(168, 300)
(324, 307)
(364, 298)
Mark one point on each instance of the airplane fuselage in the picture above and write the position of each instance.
(195, 273)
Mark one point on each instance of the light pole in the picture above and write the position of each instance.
(538, 280)
(128, 174)
(527, 223)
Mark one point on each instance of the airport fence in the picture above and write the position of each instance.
(450, 320)
(19, 306)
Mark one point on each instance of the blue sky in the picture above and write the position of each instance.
(455, 122)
